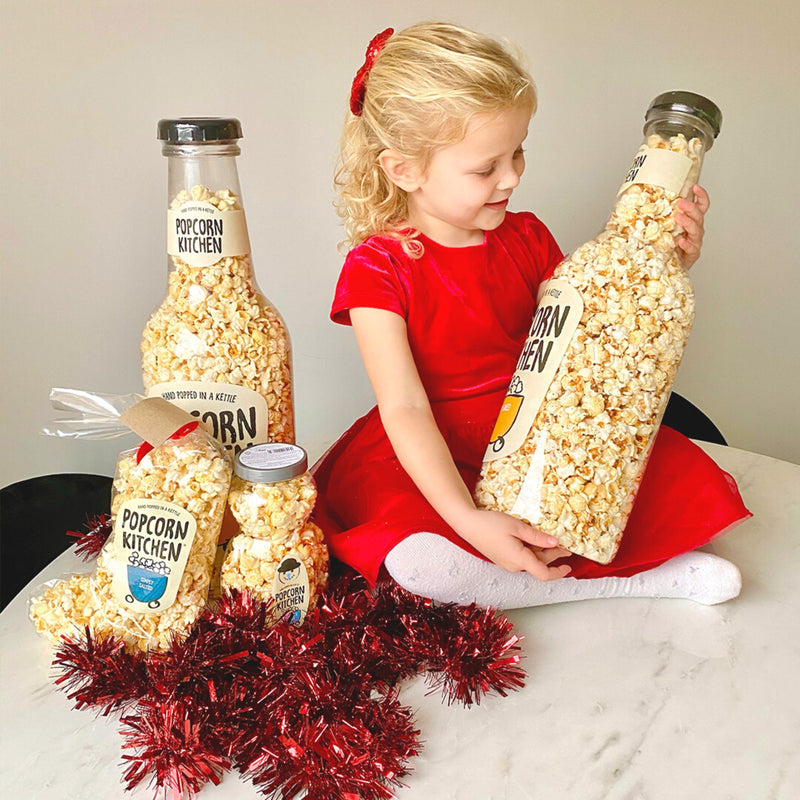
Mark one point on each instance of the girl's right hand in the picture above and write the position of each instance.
(512, 544)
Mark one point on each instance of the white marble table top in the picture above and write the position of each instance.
(626, 699)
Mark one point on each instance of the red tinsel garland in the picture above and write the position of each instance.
(91, 541)
(309, 710)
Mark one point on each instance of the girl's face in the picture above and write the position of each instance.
(465, 189)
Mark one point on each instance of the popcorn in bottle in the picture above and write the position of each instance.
(216, 346)
(278, 553)
(592, 382)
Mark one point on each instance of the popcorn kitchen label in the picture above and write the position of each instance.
(152, 542)
(199, 234)
(290, 589)
(235, 416)
(657, 166)
(554, 324)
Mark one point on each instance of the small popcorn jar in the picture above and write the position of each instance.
(278, 554)
(216, 346)
(592, 382)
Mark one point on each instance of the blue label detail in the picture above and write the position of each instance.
(145, 585)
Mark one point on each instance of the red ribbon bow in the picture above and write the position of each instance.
(184, 430)
(359, 87)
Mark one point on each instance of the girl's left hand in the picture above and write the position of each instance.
(690, 216)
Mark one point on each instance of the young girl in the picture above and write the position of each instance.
(440, 287)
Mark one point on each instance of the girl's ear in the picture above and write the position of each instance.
(400, 170)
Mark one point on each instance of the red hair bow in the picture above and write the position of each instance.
(359, 88)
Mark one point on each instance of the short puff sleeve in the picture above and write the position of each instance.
(372, 277)
(545, 252)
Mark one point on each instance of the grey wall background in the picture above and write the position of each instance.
(84, 183)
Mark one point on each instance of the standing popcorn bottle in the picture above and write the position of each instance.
(215, 347)
(278, 554)
(591, 385)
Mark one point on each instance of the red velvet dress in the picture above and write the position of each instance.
(467, 312)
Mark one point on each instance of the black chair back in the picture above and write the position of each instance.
(688, 419)
(35, 515)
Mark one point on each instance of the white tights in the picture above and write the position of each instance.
(429, 565)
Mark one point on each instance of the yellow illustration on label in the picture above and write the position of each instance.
(151, 545)
(508, 414)
(234, 415)
(199, 234)
(554, 324)
(657, 166)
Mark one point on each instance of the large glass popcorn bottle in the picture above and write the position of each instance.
(216, 346)
(574, 433)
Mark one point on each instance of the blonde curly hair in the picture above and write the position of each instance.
(421, 93)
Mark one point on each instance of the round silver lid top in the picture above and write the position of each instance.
(271, 462)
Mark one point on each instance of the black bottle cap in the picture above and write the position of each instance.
(689, 103)
(199, 129)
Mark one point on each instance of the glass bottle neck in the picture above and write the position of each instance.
(206, 225)
(666, 124)
(212, 166)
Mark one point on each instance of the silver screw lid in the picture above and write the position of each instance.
(271, 462)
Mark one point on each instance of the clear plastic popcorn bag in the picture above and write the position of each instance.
(216, 346)
(152, 577)
(591, 385)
